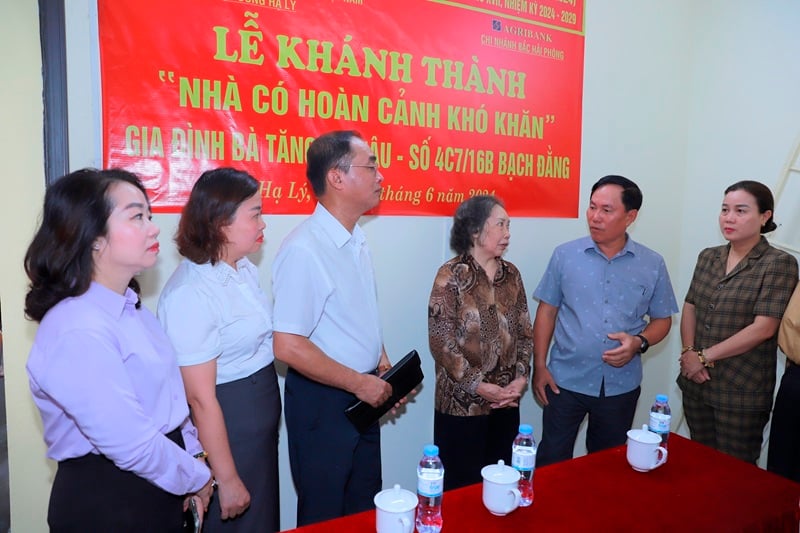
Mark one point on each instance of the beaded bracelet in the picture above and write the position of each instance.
(702, 357)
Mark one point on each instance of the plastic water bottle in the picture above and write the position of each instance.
(660, 418)
(430, 486)
(523, 458)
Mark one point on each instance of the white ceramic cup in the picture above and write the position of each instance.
(394, 510)
(500, 492)
(644, 453)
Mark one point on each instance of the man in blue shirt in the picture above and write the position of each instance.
(593, 300)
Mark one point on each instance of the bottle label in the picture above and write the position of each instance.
(659, 422)
(430, 482)
(523, 457)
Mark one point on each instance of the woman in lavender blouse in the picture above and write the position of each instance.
(102, 372)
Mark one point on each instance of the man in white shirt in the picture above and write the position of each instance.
(327, 329)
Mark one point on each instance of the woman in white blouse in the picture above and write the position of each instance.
(220, 323)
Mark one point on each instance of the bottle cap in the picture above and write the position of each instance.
(661, 398)
(430, 449)
(525, 429)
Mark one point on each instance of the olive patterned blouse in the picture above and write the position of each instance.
(478, 331)
(761, 284)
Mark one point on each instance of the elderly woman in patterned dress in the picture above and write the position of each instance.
(480, 336)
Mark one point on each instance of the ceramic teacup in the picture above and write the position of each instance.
(644, 453)
(500, 492)
(394, 510)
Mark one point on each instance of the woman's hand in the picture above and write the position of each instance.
(234, 499)
(498, 396)
(201, 509)
(204, 494)
(518, 385)
(516, 388)
(692, 368)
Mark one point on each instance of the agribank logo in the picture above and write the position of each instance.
(521, 31)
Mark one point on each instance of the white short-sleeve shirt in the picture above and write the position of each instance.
(217, 312)
(324, 289)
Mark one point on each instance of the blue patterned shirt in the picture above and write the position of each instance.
(597, 296)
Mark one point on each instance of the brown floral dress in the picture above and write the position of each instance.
(478, 331)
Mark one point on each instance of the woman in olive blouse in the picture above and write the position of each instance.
(480, 336)
(729, 326)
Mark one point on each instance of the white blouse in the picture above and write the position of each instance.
(217, 312)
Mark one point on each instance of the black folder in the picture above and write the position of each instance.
(403, 377)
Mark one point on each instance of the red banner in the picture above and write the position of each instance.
(456, 98)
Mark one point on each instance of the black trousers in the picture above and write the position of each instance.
(784, 437)
(610, 418)
(91, 493)
(468, 443)
(336, 469)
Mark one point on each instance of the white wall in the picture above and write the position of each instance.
(683, 97)
(743, 117)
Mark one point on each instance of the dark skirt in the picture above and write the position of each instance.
(251, 407)
(91, 493)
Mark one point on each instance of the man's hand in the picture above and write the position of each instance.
(373, 390)
(382, 369)
(542, 378)
(622, 354)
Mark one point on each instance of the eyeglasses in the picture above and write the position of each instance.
(374, 167)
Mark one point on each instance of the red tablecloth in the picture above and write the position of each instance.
(698, 489)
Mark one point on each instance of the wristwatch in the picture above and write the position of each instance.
(645, 343)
